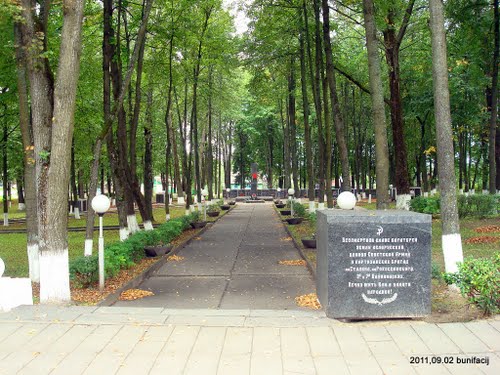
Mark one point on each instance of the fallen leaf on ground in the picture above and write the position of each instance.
(132, 294)
(308, 300)
(175, 258)
(483, 239)
(197, 238)
(297, 262)
(488, 229)
(285, 239)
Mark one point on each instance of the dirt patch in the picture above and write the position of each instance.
(488, 229)
(449, 306)
(482, 239)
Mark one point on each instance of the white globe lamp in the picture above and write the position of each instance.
(346, 200)
(278, 190)
(291, 191)
(204, 192)
(100, 204)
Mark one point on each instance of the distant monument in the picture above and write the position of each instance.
(253, 186)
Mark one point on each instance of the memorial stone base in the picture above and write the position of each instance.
(374, 264)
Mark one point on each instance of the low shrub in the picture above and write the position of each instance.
(298, 209)
(84, 270)
(476, 205)
(119, 255)
(427, 205)
(479, 282)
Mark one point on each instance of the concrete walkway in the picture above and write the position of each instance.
(232, 265)
(119, 340)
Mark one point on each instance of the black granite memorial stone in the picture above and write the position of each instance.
(374, 264)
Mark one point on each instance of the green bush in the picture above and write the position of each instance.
(298, 209)
(428, 205)
(479, 282)
(477, 205)
(84, 270)
(119, 255)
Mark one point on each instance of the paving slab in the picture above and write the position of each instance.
(181, 292)
(232, 265)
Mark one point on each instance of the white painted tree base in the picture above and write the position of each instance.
(123, 234)
(89, 244)
(71, 209)
(181, 200)
(21, 207)
(77, 213)
(321, 206)
(34, 262)
(167, 217)
(191, 207)
(403, 202)
(148, 225)
(452, 251)
(369, 198)
(132, 224)
(5, 219)
(312, 206)
(188, 212)
(54, 277)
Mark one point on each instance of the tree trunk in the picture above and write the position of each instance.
(210, 156)
(5, 177)
(292, 126)
(378, 110)
(494, 103)
(148, 159)
(393, 40)
(53, 182)
(316, 78)
(452, 243)
(334, 101)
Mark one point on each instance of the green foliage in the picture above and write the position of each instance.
(298, 209)
(436, 272)
(84, 270)
(477, 205)
(213, 208)
(121, 255)
(423, 205)
(479, 281)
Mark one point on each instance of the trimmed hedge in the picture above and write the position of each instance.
(119, 255)
(477, 205)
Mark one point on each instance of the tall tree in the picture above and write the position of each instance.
(334, 101)
(452, 242)
(494, 101)
(53, 112)
(392, 43)
(378, 110)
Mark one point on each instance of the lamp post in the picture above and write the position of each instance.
(228, 190)
(100, 204)
(291, 192)
(204, 192)
(278, 191)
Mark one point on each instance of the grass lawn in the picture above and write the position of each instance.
(13, 245)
